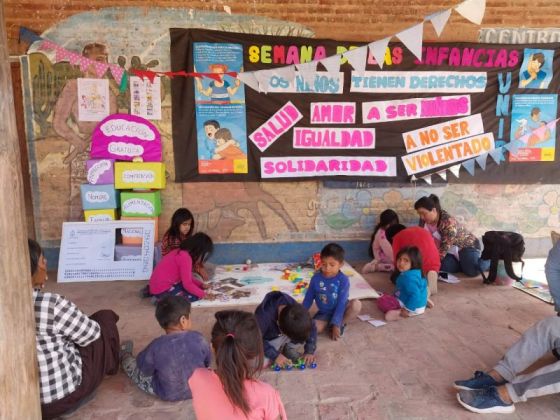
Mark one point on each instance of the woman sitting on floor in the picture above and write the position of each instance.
(74, 351)
(459, 249)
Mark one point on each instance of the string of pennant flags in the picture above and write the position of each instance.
(412, 38)
(119, 74)
(496, 154)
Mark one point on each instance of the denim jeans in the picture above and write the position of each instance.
(552, 271)
(469, 263)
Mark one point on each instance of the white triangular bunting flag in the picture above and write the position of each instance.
(378, 49)
(263, 76)
(287, 72)
(455, 169)
(497, 154)
(469, 166)
(332, 64)
(249, 79)
(357, 58)
(428, 179)
(413, 178)
(310, 67)
(472, 10)
(412, 39)
(481, 160)
(439, 20)
(443, 175)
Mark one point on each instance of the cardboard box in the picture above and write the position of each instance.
(140, 203)
(100, 171)
(147, 175)
(103, 215)
(98, 197)
(131, 236)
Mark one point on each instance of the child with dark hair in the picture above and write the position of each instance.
(329, 288)
(285, 325)
(232, 391)
(411, 293)
(174, 274)
(182, 226)
(379, 247)
(166, 364)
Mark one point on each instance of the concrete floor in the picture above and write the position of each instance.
(402, 370)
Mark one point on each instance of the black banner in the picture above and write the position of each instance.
(410, 117)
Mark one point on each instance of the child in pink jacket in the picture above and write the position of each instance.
(380, 248)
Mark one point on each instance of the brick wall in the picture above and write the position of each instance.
(360, 20)
(284, 212)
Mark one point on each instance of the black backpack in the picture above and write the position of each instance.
(507, 246)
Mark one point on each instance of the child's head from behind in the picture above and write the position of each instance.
(409, 258)
(199, 246)
(223, 135)
(173, 313)
(294, 321)
(332, 259)
(387, 218)
(392, 231)
(237, 344)
(38, 264)
(182, 223)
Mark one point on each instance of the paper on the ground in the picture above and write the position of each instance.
(450, 278)
(364, 317)
(377, 322)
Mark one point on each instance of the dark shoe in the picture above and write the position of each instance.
(480, 380)
(144, 292)
(484, 401)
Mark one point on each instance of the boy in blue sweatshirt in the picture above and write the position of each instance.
(329, 288)
(285, 324)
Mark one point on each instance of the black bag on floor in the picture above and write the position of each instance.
(506, 246)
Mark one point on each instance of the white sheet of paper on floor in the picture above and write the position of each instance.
(364, 317)
(450, 279)
(377, 322)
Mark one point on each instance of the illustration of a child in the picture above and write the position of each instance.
(329, 289)
(226, 146)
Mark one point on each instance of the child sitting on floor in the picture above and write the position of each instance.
(285, 324)
(164, 367)
(174, 275)
(411, 293)
(329, 288)
(232, 391)
(380, 248)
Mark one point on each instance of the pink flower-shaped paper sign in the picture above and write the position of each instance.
(125, 137)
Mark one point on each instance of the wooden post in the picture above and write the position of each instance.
(19, 384)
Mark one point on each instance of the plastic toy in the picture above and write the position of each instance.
(299, 364)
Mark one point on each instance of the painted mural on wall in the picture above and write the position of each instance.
(59, 142)
(533, 210)
(230, 212)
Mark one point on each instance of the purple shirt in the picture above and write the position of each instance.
(171, 359)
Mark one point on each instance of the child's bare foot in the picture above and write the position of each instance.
(430, 304)
(393, 315)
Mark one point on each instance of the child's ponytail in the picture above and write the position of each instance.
(237, 343)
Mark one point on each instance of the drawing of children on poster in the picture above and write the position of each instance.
(533, 124)
(220, 109)
(536, 70)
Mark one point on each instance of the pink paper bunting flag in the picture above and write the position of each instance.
(60, 54)
(74, 58)
(47, 45)
(117, 72)
(85, 63)
(100, 68)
